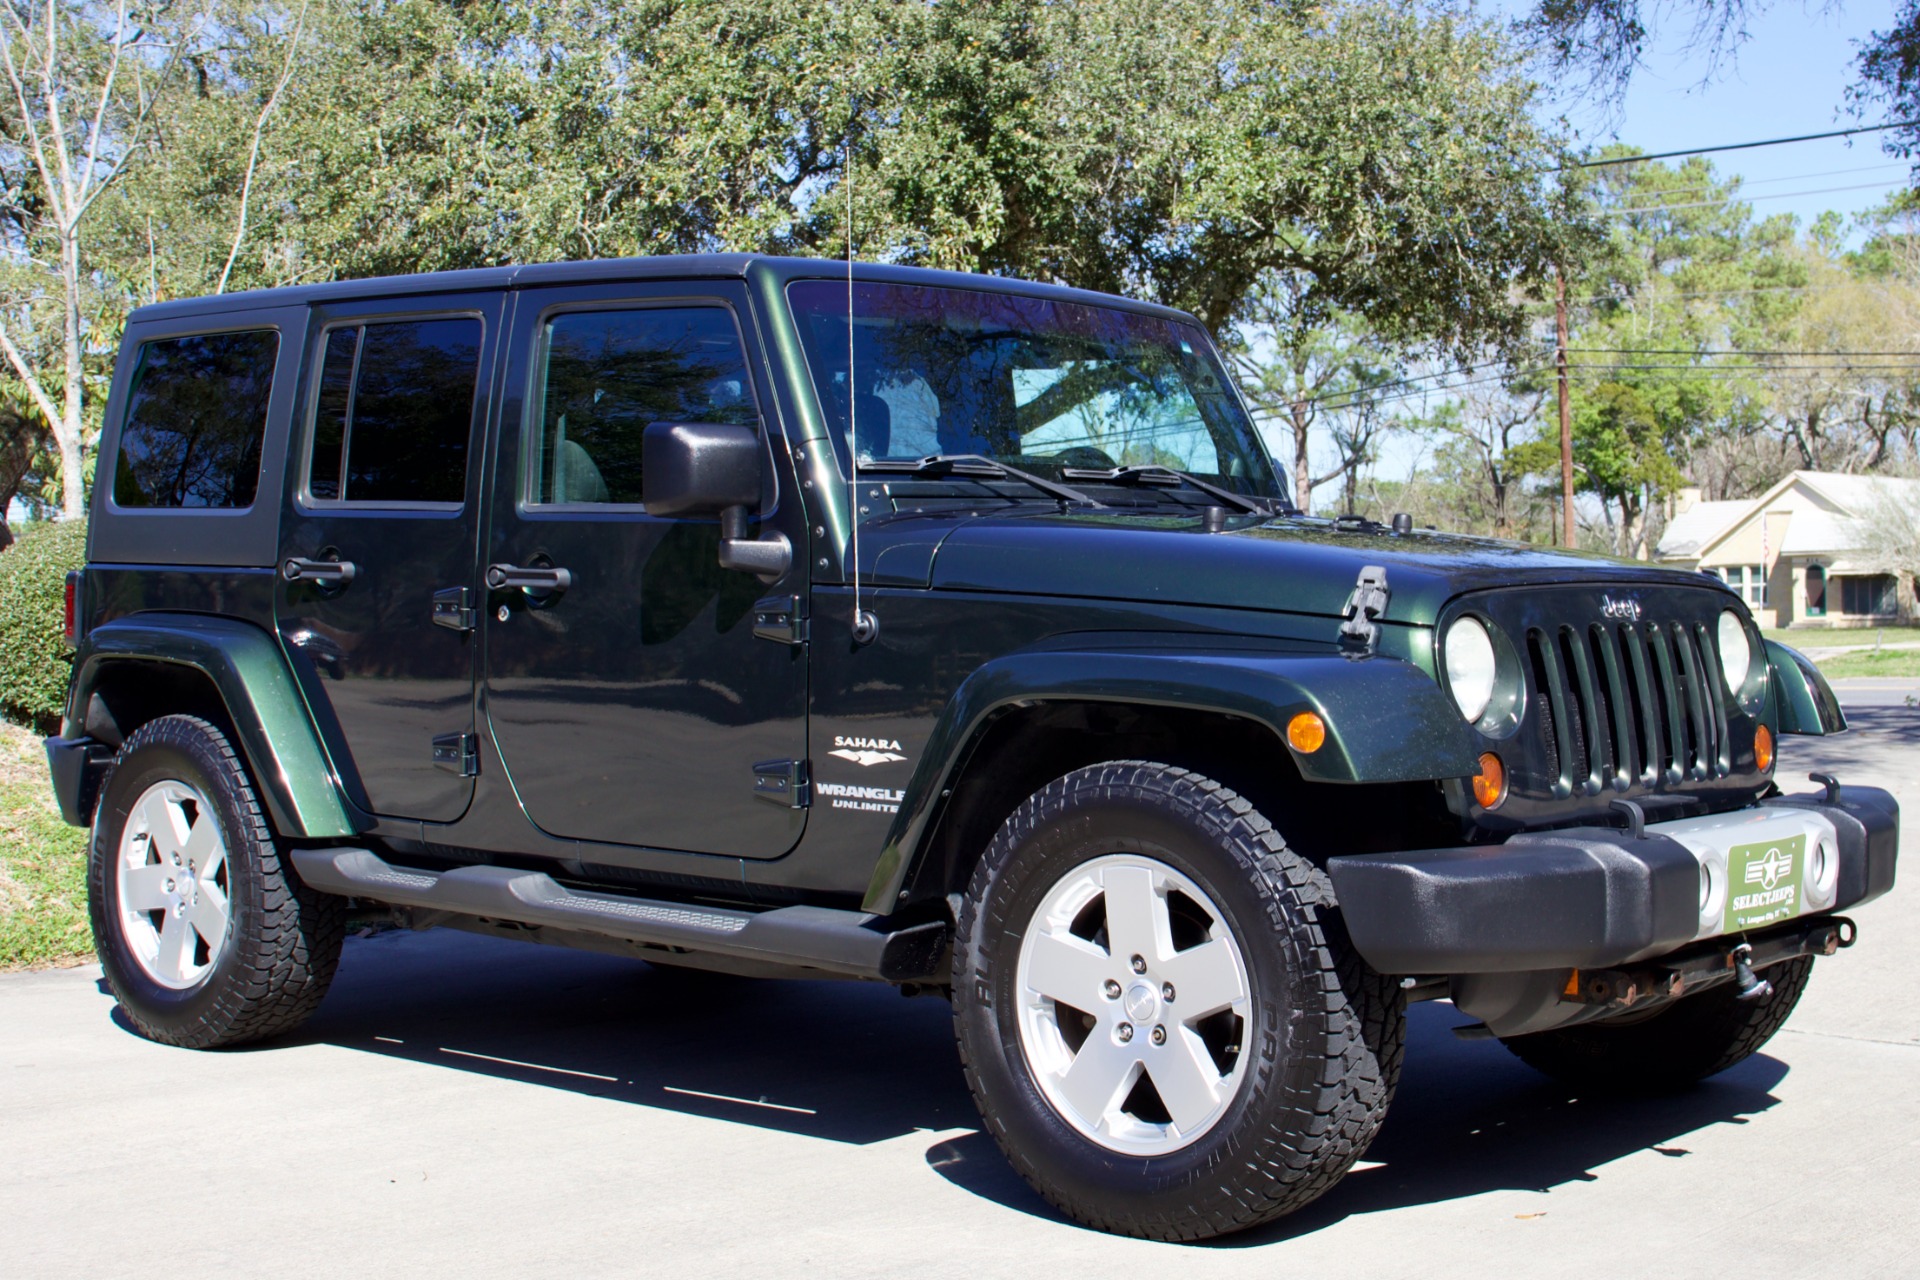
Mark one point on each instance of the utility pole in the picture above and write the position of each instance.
(1566, 420)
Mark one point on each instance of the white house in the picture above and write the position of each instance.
(1793, 552)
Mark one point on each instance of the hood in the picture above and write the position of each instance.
(1291, 565)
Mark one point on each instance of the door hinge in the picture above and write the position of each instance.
(781, 618)
(783, 782)
(457, 753)
(452, 609)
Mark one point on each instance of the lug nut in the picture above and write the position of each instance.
(1139, 965)
(1112, 989)
(1126, 1032)
(1166, 993)
(1159, 1035)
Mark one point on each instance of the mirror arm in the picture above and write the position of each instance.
(766, 557)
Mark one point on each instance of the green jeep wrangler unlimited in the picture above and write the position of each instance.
(779, 618)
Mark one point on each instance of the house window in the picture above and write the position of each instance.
(1750, 580)
(1816, 591)
(1869, 595)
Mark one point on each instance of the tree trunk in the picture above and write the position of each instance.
(1302, 478)
(67, 433)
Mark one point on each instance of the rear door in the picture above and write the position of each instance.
(636, 705)
(379, 542)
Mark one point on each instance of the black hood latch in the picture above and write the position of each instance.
(1359, 633)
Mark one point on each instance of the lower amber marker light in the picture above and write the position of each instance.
(1490, 784)
(1307, 733)
(1763, 748)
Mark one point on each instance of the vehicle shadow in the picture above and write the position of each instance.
(855, 1063)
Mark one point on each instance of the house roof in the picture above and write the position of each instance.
(1812, 529)
(1687, 533)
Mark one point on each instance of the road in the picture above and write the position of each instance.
(499, 1109)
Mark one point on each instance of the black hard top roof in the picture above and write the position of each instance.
(733, 266)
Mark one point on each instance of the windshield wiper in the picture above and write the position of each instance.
(974, 466)
(1167, 476)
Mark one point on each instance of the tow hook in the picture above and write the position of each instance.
(1752, 986)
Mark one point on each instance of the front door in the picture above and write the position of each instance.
(625, 687)
(381, 522)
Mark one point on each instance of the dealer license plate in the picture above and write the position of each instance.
(1763, 882)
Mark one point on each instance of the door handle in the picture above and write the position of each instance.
(333, 573)
(505, 577)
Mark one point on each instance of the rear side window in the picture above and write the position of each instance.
(395, 412)
(196, 416)
(607, 374)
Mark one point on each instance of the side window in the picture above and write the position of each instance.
(395, 411)
(605, 375)
(196, 416)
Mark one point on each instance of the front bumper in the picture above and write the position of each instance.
(1592, 897)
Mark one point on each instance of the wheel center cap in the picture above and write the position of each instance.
(1142, 1002)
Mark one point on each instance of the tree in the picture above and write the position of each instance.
(1290, 359)
(1887, 539)
(84, 81)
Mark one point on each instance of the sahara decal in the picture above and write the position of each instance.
(867, 752)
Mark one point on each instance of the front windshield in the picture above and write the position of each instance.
(1043, 385)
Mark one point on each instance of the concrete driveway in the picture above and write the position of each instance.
(481, 1107)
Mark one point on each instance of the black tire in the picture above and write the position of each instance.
(282, 940)
(1672, 1047)
(1324, 1038)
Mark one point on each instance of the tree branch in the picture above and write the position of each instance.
(40, 398)
(253, 154)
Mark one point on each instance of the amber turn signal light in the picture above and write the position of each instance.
(1490, 784)
(1763, 748)
(1307, 733)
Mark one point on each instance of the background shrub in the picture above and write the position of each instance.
(34, 660)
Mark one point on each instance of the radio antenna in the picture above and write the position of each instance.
(865, 625)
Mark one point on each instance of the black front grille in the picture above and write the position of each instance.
(1626, 705)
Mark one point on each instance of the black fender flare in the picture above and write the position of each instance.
(269, 716)
(1386, 720)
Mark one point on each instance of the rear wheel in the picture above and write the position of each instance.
(206, 937)
(1158, 1011)
(1672, 1047)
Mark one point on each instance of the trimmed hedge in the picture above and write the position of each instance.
(35, 663)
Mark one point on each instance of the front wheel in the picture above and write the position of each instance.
(205, 935)
(1674, 1045)
(1160, 1017)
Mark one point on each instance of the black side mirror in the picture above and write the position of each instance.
(710, 469)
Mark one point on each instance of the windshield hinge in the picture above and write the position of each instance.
(1359, 633)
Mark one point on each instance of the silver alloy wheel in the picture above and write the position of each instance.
(1134, 1005)
(172, 885)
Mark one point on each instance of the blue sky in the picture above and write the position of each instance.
(1787, 79)
(1790, 77)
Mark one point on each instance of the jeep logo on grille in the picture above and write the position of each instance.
(1626, 608)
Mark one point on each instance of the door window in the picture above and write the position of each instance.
(395, 411)
(606, 375)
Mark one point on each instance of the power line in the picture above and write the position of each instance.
(1745, 182)
(1729, 351)
(1738, 146)
(1774, 195)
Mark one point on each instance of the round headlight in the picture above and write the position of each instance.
(1468, 650)
(1736, 656)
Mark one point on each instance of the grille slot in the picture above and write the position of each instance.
(1621, 704)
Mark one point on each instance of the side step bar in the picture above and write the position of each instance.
(848, 943)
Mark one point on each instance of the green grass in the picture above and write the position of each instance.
(43, 867)
(1887, 662)
(1804, 638)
